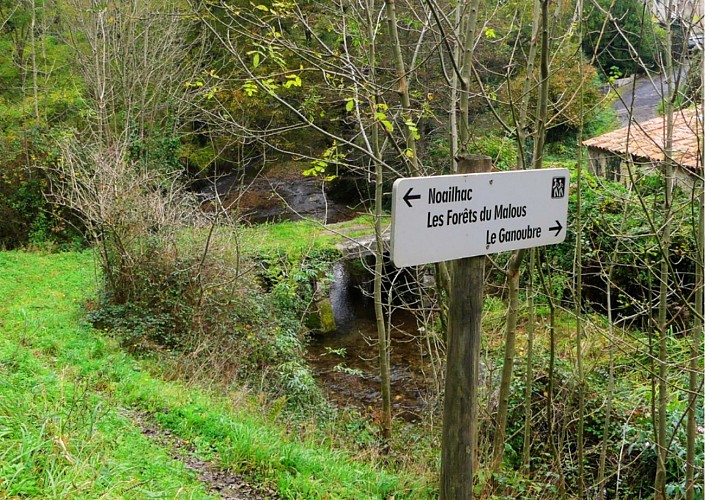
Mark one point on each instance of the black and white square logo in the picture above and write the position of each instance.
(558, 187)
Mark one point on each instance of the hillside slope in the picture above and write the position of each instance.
(81, 418)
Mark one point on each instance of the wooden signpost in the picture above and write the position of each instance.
(460, 219)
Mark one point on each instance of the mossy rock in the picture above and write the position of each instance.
(323, 318)
(326, 315)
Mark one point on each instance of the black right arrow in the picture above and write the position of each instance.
(408, 196)
(557, 228)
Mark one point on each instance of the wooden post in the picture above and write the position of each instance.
(460, 415)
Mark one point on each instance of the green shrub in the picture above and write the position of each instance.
(254, 335)
(502, 150)
(611, 213)
(573, 93)
(603, 121)
(173, 297)
(629, 25)
(27, 216)
(172, 280)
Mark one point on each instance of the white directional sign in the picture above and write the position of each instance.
(455, 216)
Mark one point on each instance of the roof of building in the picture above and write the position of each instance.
(646, 139)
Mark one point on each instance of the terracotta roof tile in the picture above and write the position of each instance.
(646, 139)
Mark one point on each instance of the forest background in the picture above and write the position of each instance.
(114, 115)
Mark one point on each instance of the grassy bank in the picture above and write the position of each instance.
(67, 393)
(297, 238)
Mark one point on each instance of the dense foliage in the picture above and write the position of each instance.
(612, 214)
(200, 111)
(622, 37)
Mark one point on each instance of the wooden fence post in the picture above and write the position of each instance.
(460, 414)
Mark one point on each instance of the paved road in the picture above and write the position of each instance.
(647, 94)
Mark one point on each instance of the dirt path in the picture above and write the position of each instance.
(79, 419)
(217, 481)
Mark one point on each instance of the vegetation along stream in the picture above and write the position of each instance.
(345, 360)
(226, 162)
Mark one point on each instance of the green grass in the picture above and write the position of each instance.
(65, 395)
(292, 238)
(298, 238)
(60, 436)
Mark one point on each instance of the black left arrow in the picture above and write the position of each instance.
(408, 196)
(556, 228)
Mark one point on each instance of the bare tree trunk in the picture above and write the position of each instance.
(610, 384)
(509, 350)
(579, 284)
(522, 157)
(526, 459)
(699, 323)
(695, 353)
(35, 70)
(468, 29)
(384, 368)
(662, 411)
(454, 104)
(382, 334)
(667, 165)
(552, 354)
(518, 255)
(403, 90)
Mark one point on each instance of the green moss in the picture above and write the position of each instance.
(298, 239)
(325, 313)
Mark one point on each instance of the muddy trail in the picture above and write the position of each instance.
(217, 480)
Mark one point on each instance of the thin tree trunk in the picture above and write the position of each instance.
(610, 381)
(469, 25)
(509, 350)
(667, 165)
(610, 391)
(552, 351)
(699, 323)
(518, 255)
(695, 353)
(443, 292)
(526, 460)
(579, 285)
(384, 368)
(403, 90)
(523, 157)
(454, 103)
(382, 338)
(35, 70)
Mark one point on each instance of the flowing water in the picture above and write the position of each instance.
(261, 197)
(346, 361)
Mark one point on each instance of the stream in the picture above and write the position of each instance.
(345, 361)
(273, 196)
